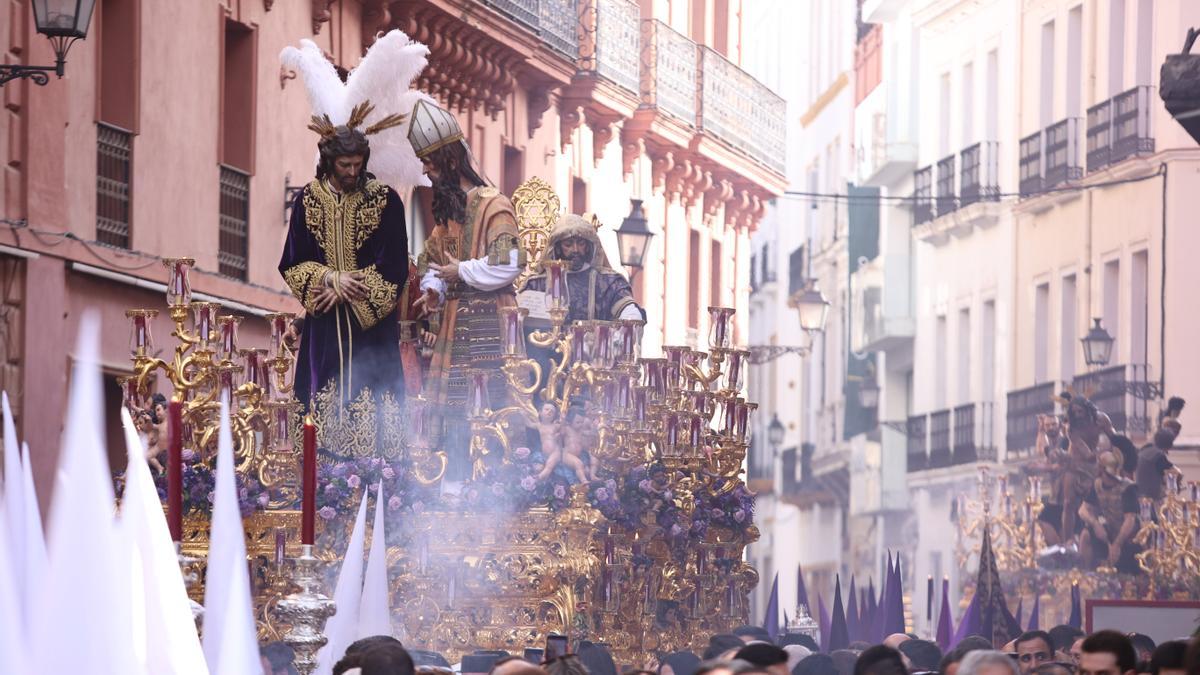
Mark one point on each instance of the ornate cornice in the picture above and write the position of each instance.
(320, 14)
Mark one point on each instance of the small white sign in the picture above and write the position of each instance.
(535, 302)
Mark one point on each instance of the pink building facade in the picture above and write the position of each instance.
(176, 133)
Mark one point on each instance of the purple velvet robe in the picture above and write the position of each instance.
(353, 345)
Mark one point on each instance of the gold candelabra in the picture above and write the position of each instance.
(1012, 521)
(1170, 534)
(209, 365)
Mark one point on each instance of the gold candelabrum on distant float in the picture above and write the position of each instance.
(1170, 537)
(1016, 538)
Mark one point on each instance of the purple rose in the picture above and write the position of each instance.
(560, 492)
(676, 530)
(645, 485)
(497, 489)
(602, 493)
(716, 513)
(394, 503)
(418, 507)
(327, 512)
(472, 495)
(611, 484)
(388, 474)
(529, 483)
(263, 499)
(243, 494)
(188, 455)
(330, 489)
(340, 469)
(521, 453)
(739, 515)
(354, 481)
(211, 495)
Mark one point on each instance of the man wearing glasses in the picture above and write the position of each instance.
(1033, 649)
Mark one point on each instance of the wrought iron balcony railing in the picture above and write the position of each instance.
(1062, 153)
(1121, 392)
(669, 71)
(741, 111)
(233, 242)
(610, 34)
(979, 180)
(917, 443)
(923, 195)
(1030, 165)
(1131, 123)
(1024, 406)
(973, 433)
(947, 200)
(1099, 136)
(555, 21)
(939, 439)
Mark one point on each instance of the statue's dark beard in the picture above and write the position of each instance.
(449, 202)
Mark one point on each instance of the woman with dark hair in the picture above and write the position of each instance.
(679, 663)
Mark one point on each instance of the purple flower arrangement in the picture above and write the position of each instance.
(200, 484)
(514, 486)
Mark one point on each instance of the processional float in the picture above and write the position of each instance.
(647, 556)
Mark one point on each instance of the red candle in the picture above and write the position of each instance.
(308, 506)
(175, 468)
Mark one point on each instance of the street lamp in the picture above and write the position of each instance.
(63, 22)
(1097, 346)
(633, 238)
(775, 433)
(812, 307)
(868, 393)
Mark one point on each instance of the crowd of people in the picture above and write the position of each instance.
(750, 650)
(1102, 485)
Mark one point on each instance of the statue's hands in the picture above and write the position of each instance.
(428, 302)
(353, 288)
(325, 299)
(448, 272)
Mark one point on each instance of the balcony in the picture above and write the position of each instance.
(1030, 165)
(947, 201)
(558, 26)
(1062, 153)
(669, 71)
(939, 439)
(882, 312)
(918, 442)
(923, 196)
(980, 174)
(973, 435)
(610, 44)
(885, 153)
(880, 11)
(114, 154)
(741, 112)
(1112, 389)
(1024, 406)
(761, 467)
(1119, 128)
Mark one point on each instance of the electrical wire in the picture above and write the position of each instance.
(834, 197)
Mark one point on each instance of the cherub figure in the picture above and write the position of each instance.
(550, 430)
(576, 441)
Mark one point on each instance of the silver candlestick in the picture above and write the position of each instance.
(306, 611)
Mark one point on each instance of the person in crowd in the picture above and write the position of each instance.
(816, 664)
(844, 660)
(1054, 668)
(1144, 646)
(922, 655)
(895, 639)
(880, 660)
(515, 665)
(1153, 464)
(1033, 649)
(424, 657)
(721, 643)
(796, 654)
(1062, 637)
(859, 646)
(747, 668)
(801, 639)
(386, 659)
(1107, 652)
(597, 659)
(1168, 658)
(277, 659)
(714, 667)
(766, 656)
(679, 663)
(568, 664)
(953, 660)
(353, 655)
(988, 662)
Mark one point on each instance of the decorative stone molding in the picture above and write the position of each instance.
(538, 102)
(320, 14)
(661, 162)
(377, 16)
(570, 116)
(632, 147)
(717, 194)
(601, 125)
(673, 186)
